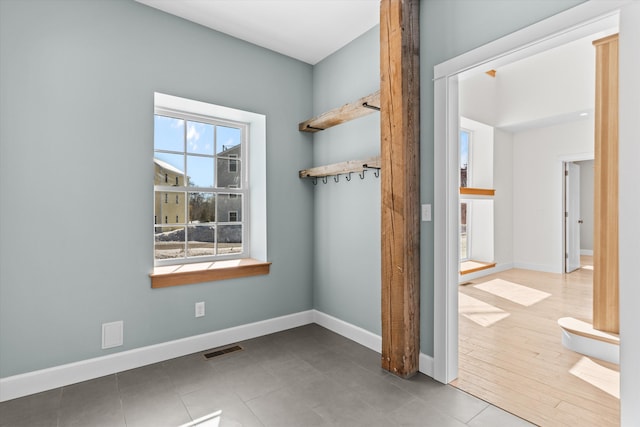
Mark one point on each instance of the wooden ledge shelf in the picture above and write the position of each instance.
(184, 274)
(478, 191)
(584, 329)
(362, 107)
(341, 168)
(468, 267)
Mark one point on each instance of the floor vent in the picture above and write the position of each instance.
(223, 351)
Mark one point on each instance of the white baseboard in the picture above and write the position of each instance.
(71, 373)
(347, 330)
(538, 267)
(586, 252)
(365, 338)
(58, 376)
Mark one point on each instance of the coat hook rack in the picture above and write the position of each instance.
(345, 168)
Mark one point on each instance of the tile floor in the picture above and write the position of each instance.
(307, 376)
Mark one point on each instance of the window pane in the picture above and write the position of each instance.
(228, 173)
(464, 158)
(169, 207)
(228, 141)
(168, 167)
(229, 203)
(169, 242)
(202, 207)
(168, 133)
(201, 240)
(464, 236)
(200, 171)
(199, 138)
(229, 239)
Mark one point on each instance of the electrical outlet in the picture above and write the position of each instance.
(200, 309)
(426, 212)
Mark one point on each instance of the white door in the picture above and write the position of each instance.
(572, 217)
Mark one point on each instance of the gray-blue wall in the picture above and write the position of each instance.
(76, 176)
(347, 213)
(76, 103)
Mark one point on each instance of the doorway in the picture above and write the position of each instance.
(536, 39)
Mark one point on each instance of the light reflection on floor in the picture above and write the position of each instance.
(478, 311)
(598, 376)
(210, 420)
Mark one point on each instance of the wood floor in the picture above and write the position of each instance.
(511, 353)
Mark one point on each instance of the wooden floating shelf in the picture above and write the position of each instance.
(341, 168)
(478, 191)
(362, 107)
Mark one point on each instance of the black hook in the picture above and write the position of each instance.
(324, 179)
(315, 180)
(362, 173)
(348, 177)
(371, 107)
(376, 173)
(336, 178)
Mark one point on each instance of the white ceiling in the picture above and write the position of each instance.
(308, 30)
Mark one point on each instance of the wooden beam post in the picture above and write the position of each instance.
(400, 160)
(606, 296)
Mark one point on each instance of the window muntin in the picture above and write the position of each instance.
(192, 156)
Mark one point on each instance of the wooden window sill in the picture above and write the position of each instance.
(478, 191)
(185, 274)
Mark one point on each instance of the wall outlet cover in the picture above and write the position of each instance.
(112, 334)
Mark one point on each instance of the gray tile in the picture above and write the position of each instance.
(94, 403)
(157, 409)
(189, 373)
(345, 408)
(39, 409)
(290, 370)
(248, 383)
(105, 412)
(454, 402)
(376, 390)
(281, 408)
(150, 378)
(418, 413)
(492, 416)
(234, 412)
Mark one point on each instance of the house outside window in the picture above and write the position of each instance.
(206, 158)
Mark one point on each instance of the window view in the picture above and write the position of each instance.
(198, 164)
(465, 137)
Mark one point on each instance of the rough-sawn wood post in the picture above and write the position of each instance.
(400, 141)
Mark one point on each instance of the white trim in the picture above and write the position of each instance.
(71, 373)
(58, 376)
(591, 347)
(538, 267)
(364, 337)
(588, 252)
(347, 330)
(582, 20)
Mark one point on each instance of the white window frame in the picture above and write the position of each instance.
(253, 174)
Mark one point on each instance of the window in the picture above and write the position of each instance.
(233, 164)
(206, 195)
(465, 140)
(205, 157)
